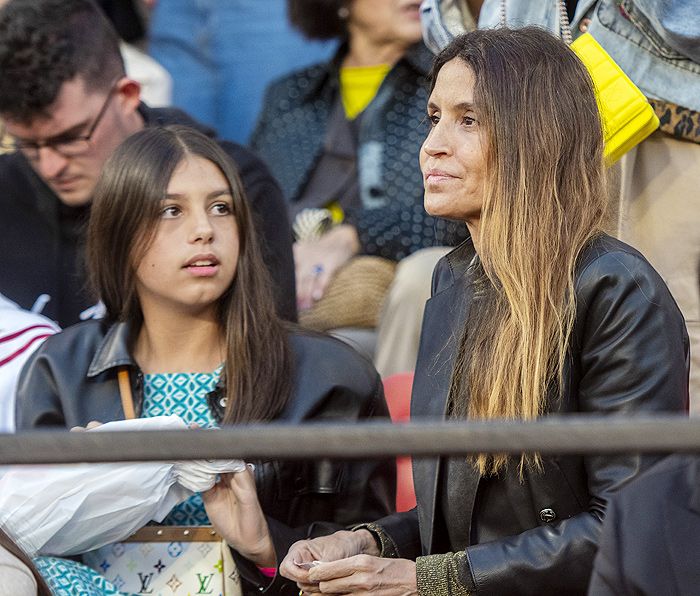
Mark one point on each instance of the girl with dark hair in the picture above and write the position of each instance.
(539, 312)
(191, 326)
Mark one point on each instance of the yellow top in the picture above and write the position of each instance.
(359, 85)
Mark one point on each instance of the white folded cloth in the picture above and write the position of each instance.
(70, 509)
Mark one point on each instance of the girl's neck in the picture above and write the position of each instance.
(364, 51)
(179, 344)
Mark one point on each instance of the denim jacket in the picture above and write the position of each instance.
(655, 42)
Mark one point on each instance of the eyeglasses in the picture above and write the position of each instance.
(67, 146)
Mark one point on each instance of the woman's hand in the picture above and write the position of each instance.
(316, 261)
(234, 510)
(364, 575)
(338, 546)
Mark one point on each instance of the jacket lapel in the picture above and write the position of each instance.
(445, 316)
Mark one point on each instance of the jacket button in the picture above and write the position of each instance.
(223, 401)
(583, 25)
(548, 515)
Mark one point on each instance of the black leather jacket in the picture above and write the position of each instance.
(72, 379)
(628, 354)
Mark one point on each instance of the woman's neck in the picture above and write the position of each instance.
(181, 343)
(364, 51)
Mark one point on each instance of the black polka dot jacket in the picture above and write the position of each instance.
(292, 127)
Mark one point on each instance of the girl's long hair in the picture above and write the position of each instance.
(544, 200)
(123, 221)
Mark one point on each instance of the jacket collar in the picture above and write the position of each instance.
(459, 260)
(113, 350)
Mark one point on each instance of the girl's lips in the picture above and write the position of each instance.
(202, 260)
(203, 270)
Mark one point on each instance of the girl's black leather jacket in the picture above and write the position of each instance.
(72, 379)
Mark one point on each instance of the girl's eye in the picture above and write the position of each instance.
(170, 211)
(468, 121)
(434, 119)
(221, 208)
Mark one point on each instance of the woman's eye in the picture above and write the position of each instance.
(434, 119)
(468, 121)
(170, 211)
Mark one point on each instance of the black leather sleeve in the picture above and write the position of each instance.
(53, 388)
(310, 498)
(630, 351)
(37, 402)
(403, 530)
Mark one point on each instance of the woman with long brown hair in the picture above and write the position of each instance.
(191, 327)
(538, 312)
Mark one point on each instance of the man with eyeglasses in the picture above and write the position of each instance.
(66, 104)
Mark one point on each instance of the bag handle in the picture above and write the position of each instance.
(125, 393)
(564, 24)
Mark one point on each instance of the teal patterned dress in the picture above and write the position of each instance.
(182, 394)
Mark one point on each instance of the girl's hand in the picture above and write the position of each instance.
(316, 261)
(337, 546)
(234, 510)
(363, 575)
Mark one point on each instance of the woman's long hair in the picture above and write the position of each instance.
(544, 200)
(123, 222)
(11, 546)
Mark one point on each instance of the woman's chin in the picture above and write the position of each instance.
(438, 208)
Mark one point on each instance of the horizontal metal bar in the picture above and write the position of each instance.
(563, 435)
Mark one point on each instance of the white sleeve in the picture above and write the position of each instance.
(15, 576)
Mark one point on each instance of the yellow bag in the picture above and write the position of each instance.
(627, 116)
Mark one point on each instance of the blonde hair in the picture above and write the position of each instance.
(544, 200)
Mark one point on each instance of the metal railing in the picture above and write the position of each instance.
(570, 434)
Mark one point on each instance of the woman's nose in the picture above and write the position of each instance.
(437, 142)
